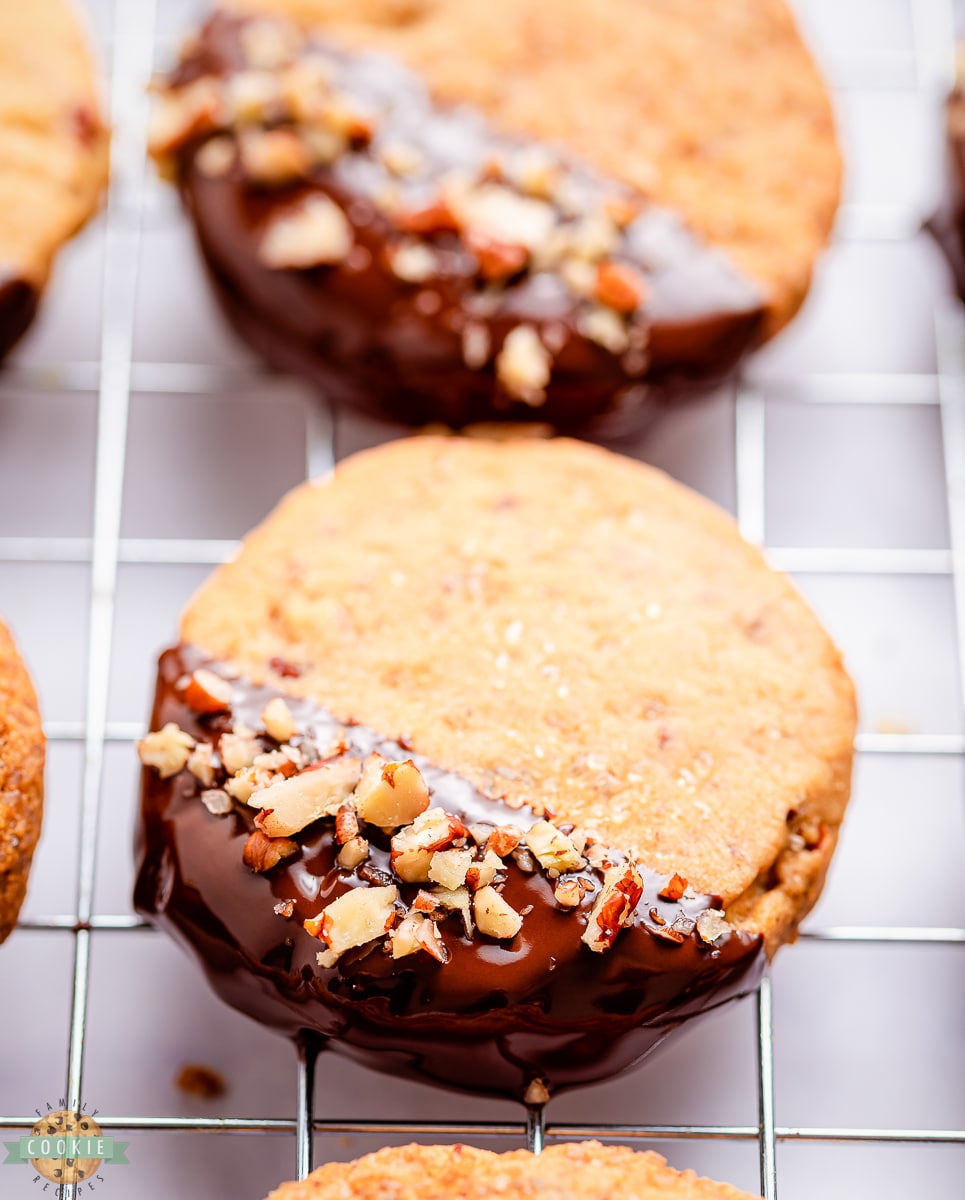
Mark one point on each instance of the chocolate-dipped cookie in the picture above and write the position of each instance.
(22, 749)
(947, 225)
(417, 240)
(584, 1171)
(53, 149)
(492, 763)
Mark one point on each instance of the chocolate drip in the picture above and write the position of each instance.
(493, 1018)
(371, 339)
(18, 306)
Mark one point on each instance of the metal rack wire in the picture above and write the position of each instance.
(117, 376)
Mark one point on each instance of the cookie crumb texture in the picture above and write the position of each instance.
(584, 1171)
(568, 630)
(53, 148)
(21, 780)
(714, 109)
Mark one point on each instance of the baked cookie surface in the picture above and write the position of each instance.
(715, 110)
(565, 643)
(472, 236)
(21, 780)
(585, 1171)
(53, 149)
(565, 612)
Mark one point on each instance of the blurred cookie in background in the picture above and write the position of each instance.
(22, 749)
(53, 149)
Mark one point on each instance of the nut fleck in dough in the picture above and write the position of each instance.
(712, 107)
(21, 780)
(584, 1171)
(568, 629)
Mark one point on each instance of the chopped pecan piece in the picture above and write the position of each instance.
(201, 763)
(316, 233)
(217, 801)
(357, 917)
(553, 849)
(523, 365)
(426, 902)
(456, 901)
(414, 845)
(238, 750)
(273, 157)
(481, 874)
(417, 932)
(278, 720)
(353, 853)
(614, 907)
(315, 792)
(497, 260)
(390, 794)
(619, 287)
(413, 262)
(568, 893)
(449, 867)
(261, 853)
(674, 888)
(437, 217)
(206, 692)
(346, 824)
(494, 915)
(504, 840)
(167, 750)
(712, 925)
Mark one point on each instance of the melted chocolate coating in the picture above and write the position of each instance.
(18, 306)
(370, 339)
(492, 1019)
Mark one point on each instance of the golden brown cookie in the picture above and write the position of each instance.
(528, 225)
(21, 780)
(574, 615)
(492, 762)
(53, 148)
(584, 1171)
(712, 107)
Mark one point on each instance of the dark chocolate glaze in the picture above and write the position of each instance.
(369, 339)
(18, 306)
(492, 1019)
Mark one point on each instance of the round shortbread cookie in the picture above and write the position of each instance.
(714, 108)
(53, 148)
(21, 780)
(583, 1171)
(578, 618)
(492, 763)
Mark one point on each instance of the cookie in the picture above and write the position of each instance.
(947, 225)
(479, 238)
(585, 1171)
(492, 762)
(21, 780)
(53, 149)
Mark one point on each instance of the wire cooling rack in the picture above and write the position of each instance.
(842, 450)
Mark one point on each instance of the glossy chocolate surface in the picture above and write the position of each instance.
(493, 1018)
(369, 338)
(18, 305)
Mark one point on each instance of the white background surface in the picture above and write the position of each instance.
(867, 1034)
